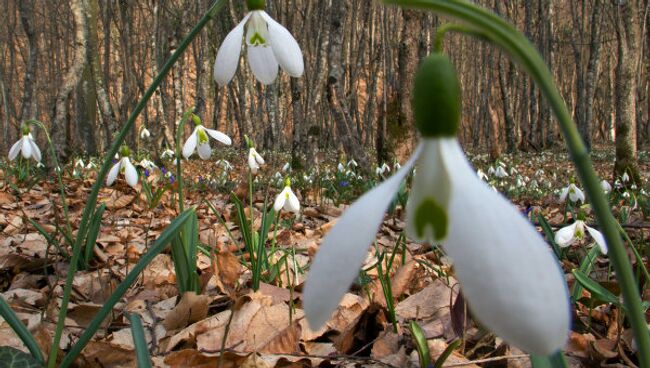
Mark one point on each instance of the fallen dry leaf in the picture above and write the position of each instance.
(192, 308)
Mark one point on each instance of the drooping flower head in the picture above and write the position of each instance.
(508, 274)
(268, 44)
(199, 140)
(606, 186)
(254, 158)
(144, 133)
(125, 166)
(576, 231)
(574, 193)
(25, 145)
(286, 199)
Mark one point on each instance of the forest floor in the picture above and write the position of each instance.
(230, 324)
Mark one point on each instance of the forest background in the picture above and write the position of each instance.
(81, 65)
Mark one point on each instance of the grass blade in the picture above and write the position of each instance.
(19, 328)
(140, 342)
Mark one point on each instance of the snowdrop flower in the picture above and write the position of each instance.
(144, 133)
(506, 271)
(574, 193)
(539, 172)
(286, 167)
(397, 166)
(123, 165)
(25, 145)
(91, 165)
(520, 183)
(224, 164)
(147, 164)
(340, 167)
(534, 185)
(633, 187)
(268, 44)
(254, 160)
(569, 234)
(167, 154)
(352, 163)
(491, 171)
(481, 175)
(607, 188)
(286, 199)
(500, 172)
(625, 178)
(80, 164)
(199, 140)
(277, 175)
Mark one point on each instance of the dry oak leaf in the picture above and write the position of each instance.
(192, 308)
(227, 268)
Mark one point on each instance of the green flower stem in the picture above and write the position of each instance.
(517, 45)
(452, 27)
(19, 328)
(179, 173)
(92, 197)
(57, 169)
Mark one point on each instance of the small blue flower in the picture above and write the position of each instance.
(163, 170)
(344, 183)
(146, 173)
(171, 179)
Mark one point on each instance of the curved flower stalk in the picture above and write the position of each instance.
(254, 160)
(287, 200)
(268, 45)
(25, 145)
(125, 166)
(573, 192)
(576, 231)
(200, 142)
(508, 274)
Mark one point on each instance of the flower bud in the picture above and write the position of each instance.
(436, 97)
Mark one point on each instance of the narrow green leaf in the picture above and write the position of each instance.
(550, 235)
(445, 354)
(140, 342)
(596, 289)
(93, 232)
(585, 267)
(420, 344)
(158, 246)
(552, 361)
(19, 328)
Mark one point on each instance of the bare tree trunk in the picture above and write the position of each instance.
(627, 33)
(408, 61)
(335, 97)
(60, 129)
(27, 20)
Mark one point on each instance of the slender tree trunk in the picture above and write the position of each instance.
(60, 128)
(27, 20)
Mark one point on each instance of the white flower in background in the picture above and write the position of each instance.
(286, 167)
(633, 187)
(520, 182)
(268, 45)
(167, 154)
(481, 175)
(500, 172)
(617, 184)
(539, 172)
(573, 192)
(491, 171)
(254, 160)
(25, 145)
(626, 195)
(506, 271)
(340, 167)
(350, 173)
(123, 165)
(286, 199)
(605, 186)
(144, 133)
(199, 140)
(381, 170)
(80, 164)
(277, 175)
(40, 165)
(91, 165)
(569, 234)
(147, 164)
(397, 166)
(625, 178)
(352, 163)
(224, 164)
(513, 171)
(534, 185)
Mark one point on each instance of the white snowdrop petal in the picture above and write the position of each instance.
(598, 238)
(204, 150)
(259, 158)
(112, 175)
(429, 183)
(566, 235)
(27, 147)
(343, 250)
(36, 152)
(563, 194)
(293, 204)
(280, 200)
(190, 145)
(285, 47)
(225, 64)
(263, 63)
(219, 136)
(15, 149)
(130, 173)
(508, 274)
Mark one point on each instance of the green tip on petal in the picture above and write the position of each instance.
(436, 97)
(430, 213)
(255, 4)
(25, 129)
(287, 182)
(249, 142)
(202, 135)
